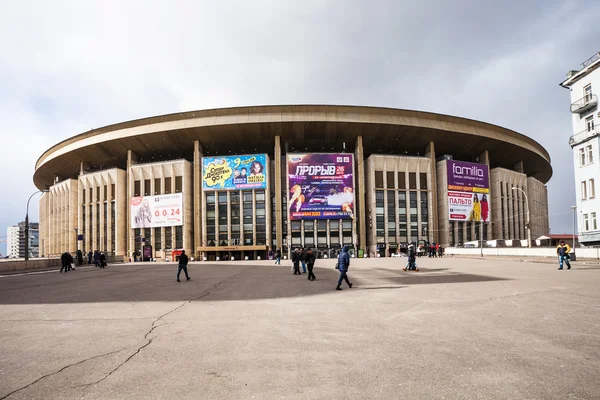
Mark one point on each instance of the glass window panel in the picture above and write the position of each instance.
(412, 180)
(379, 179)
(390, 180)
(401, 180)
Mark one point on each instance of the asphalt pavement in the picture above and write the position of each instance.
(457, 329)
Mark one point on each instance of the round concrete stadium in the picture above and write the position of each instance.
(242, 182)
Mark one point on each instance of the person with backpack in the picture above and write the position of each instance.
(412, 257)
(343, 265)
(310, 263)
(563, 251)
(183, 262)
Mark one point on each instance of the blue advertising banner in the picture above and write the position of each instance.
(321, 186)
(235, 172)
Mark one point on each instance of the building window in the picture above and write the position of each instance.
(401, 180)
(168, 237)
(423, 181)
(379, 179)
(581, 157)
(590, 155)
(168, 185)
(112, 191)
(587, 93)
(589, 122)
(146, 187)
(157, 186)
(178, 184)
(583, 190)
(379, 216)
(179, 237)
(593, 218)
(412, 180)
(391, 206)
(586, 223)
(137, 189)
(157, 239)
(390, 180)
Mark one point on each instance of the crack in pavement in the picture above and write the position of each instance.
(74, 320)
(154, 326)
(59, 371)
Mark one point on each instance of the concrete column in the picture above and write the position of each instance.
(278, 193)
(361, 198)
(229, 218)
(197, 200)
(433, 221)
(131, 160)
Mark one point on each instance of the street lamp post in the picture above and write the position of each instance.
(27, 224)
(528, 224)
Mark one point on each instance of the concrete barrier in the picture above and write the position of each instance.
(43, 263)
(549, 252)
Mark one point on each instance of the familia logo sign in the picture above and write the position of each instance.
(468, 177)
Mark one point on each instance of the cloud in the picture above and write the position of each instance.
(67, 67)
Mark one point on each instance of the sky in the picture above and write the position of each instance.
(70, 66)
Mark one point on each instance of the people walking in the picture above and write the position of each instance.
(278, 257)
(183, 262)
(102, 260)
(562, 250)
(440, 251)
(310, 263)
(296, 258)
(89, 254)
(412, 263)
(343, 265)
(79, 258)
(303, 259)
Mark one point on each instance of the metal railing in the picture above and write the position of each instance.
(585, 103)
(590, 60)
(584, 135)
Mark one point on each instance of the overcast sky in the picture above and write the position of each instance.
(67, 67)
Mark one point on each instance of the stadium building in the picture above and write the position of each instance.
(237, 182)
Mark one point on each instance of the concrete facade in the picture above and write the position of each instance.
(248, 223)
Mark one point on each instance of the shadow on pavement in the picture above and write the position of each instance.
(214, 282)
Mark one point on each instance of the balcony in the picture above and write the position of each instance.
(584, 135)
(587, 102)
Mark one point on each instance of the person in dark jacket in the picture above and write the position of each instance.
(79, 258)
(89, 257)
(412, 259)
(343, 265)
(296, 258)
(183, 262)
(102, 260)
(303, 259)
(278, 257)
(310, 263)
(563, 251)
(64, 260)
(96, 258)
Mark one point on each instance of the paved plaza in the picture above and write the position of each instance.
(459, 328)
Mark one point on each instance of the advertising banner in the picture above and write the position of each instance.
(468, 191)
(468, 177)
(235, 172)
(321, 186)
(465, 206)
(157, 211)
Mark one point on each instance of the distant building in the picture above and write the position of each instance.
(585, 145)
(12, 241)
(15, 240)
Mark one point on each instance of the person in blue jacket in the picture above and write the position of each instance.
(343, 265)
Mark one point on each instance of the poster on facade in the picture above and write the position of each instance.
(468, 206)
(321, 186)
(468, 191)
(235, 172)
(156, 211)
